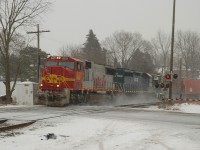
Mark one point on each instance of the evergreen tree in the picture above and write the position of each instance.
(28, 63)
(142, 62)
(92, 50)
(149, 65)
(116, 63)
(137, 61)
(24, 65)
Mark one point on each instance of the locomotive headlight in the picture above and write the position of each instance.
(57, 85)
(41, 84)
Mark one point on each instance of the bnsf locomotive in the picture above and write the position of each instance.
(66, 80)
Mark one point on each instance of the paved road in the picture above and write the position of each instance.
(41, 112)
(153, 116)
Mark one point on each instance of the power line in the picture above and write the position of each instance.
(53, 39)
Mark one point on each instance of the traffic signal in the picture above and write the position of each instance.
(175, 76)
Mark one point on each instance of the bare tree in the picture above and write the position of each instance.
(70, 50)
(15, 14)
(122, 45)
(18, 43)
(161, 44)
(188, 46)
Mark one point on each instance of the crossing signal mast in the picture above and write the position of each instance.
(172, 49)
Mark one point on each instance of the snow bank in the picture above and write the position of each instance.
(185, 108)
(188, 108)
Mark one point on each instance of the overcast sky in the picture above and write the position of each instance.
(70, 20)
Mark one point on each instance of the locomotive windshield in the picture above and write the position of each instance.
(51, 63)
(67, 64)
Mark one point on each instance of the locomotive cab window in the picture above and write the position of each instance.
(79, 66)
(67, 64)
(88, 65)
(51, 63)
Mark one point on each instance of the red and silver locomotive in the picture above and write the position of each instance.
(67, 80)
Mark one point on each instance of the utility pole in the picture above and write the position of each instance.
(38, 44)
(180, 76)
(172, 50)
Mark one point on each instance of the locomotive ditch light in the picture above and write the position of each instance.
(175, 76)
(57, 85)
(41, 85)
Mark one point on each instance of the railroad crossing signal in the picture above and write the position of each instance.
(167, 85)
(175, 76)
(162, 85)
(168, 76)
(157, 85)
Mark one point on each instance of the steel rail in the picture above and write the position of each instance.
(139, 105)
(2, 121)
(16, 126)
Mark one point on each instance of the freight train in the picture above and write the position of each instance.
(186, 88)
(66, 80)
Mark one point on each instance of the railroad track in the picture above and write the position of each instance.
(3, 120)
(5, 125)
(141, 105)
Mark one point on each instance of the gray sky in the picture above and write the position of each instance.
(70, 20)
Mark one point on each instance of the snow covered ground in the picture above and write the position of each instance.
(94, 133)
(184, 107)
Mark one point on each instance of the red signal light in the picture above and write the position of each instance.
(168, 76)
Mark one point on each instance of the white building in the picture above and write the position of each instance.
(24, 92)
